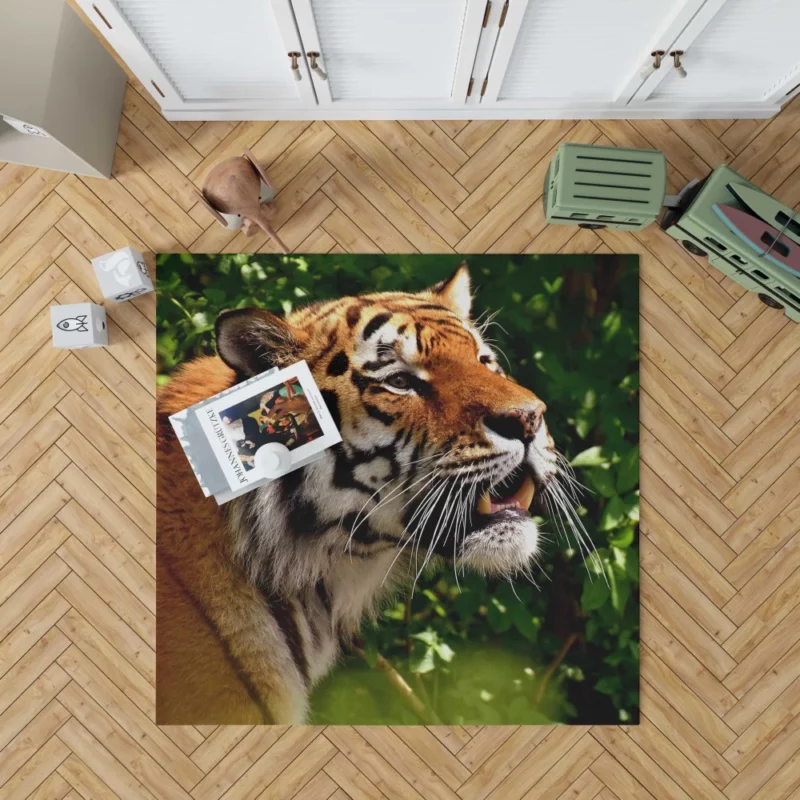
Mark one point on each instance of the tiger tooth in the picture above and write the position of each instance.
(525, 493)
(484, 504)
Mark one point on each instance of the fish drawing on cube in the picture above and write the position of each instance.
(78, 325)
(122, 274)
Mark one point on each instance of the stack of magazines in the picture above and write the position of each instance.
(227, 436)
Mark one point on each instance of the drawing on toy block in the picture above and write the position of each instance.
(122, 274)
(74, 324)
(79, 325)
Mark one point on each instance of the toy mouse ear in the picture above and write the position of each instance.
(257, 167)
(251, 340)
(211, 210)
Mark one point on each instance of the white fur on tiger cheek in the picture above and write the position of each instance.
(541, 457)
(502, 548)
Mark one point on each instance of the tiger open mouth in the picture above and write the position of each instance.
(515, 496)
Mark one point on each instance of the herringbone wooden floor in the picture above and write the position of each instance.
(720, 472)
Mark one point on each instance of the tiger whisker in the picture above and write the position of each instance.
(417, 543)
(432, 493)
(438, 531)
(585, 544)
(360, 521)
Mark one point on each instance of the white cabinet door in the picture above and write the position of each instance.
(735, 51)
(391, 54)
(554, 54)
(206, 53)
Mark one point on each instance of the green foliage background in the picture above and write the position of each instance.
(488, 652)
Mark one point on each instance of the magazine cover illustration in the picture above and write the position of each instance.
(284, 408)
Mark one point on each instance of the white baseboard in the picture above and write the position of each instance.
(649, 111)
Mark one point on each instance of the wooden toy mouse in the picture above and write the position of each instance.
(234, 196)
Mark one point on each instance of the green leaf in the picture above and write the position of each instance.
(526, 623)
(444, 651)
(632, 565)
(381, 274)
(429, 637)
(200, 320)
(614, 514)
(602, 481)
(632, 506)
(595, 594)
(628, 471)
(593, 457)
(498, 616)
(622, 538)
(610, 684)
(467, 602)
(424, 663)
(619, 587)
(620, 558)
(612, 324)
(215, 295)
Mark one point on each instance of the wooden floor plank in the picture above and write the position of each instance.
(36, 697)
(496, 186)
(437, 143)
(682, 554)
(160, 132)
(684, 411)
(31, 629)
(679, 734)
(419, 161)
(100, 615)
(378, 157)
(26, 198)
(770, 596)
(29, 234)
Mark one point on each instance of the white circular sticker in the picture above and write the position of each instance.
(273, 459)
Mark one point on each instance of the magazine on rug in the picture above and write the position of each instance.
(228, 437)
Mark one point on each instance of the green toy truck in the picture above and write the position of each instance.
(610, 187)
(696, 225)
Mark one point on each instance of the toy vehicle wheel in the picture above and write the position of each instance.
(592, 226)
(769, 301)
(693, 248)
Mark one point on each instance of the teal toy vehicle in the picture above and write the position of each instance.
(701, 231)
(612, 187)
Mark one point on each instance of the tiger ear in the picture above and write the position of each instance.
(251, 340)
(455, 291)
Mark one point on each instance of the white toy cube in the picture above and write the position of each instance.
(122, 274)
(78, 325)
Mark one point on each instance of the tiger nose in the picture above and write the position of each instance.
(518, 423)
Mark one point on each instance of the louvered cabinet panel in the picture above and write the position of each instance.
(390, 51)
(209, 49)
(748, 51)
(209, 54)
(580, 50)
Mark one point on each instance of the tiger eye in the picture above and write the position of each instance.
(398, 381)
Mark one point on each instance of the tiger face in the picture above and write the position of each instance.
(442, 455)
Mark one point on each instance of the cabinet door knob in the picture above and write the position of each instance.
(294, 55)
(313, 56)
(676, 59)
(657, 56)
